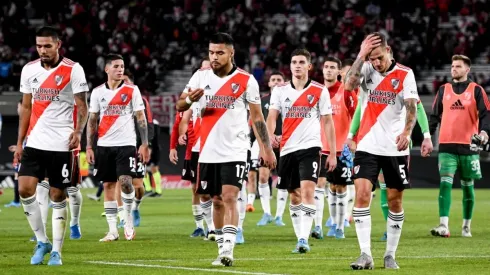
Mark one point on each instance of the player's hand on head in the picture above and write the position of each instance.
(173, 156)
(183, 140)
(402, 142)
(426, 147)
(331, 162)
(90, 155)
(370, 42)
(196, 94)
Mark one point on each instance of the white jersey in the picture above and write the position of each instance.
(383, 110)
(300, 112)
(116, 111)
(196, 126)
(255, 151)
(224, 131)
(52, 120)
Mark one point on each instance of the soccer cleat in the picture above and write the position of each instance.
(239, 237)
(390, 263)
(266, 218)
(346, 223)
(441, 231)
(40, 250)
(110, 237)
(155, 195)
(93, 197)
(136, 218)
(317, 233)
(75, 233)
(278, 221)
(339, 234)
(103, 214)
(331, 231)
(12, 204)
(226, 257)
(466, 232)
(211, 236)
(303, 246)
(33, 239)
(217, 262)
(363, 262)
(198, 232)
(385, 237)
(129, 232)
(329, 222)
(55, 259)
(250, 208)
(295, 250)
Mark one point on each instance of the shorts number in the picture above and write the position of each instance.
(315, 168)
(132, 162)
(346, 172)
(64, 171)
(240, 169)
(248, 166)
(141, 167)
(475, 165)
(402, 171)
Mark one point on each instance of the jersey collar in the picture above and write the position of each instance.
(54, 65)
(392, 66)
(120, 85)
(306, 85)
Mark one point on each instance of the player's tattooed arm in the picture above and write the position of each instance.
(91, 128)
(353, 76)
(259, 126)
(82, 111)
(261, 131)
(142, 126)
(411, 106)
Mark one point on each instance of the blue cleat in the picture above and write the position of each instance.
(303, 246)
(75, 233)
(55, 259)
(12, 204)
(279, 222)
(384, 238)
(317, 233)
(339, 234)
(136, 218)
(33, 239)
(346, 223)
(40, 250)
(239, 237)
(331, 231)
(329, 222)
(199, 232)
(266, 218)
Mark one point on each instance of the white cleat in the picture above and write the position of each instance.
(441, 231)
(390, 263)
(466, 232)
(129, 232)
(110, 237)
(363, 262)
(226, 257)
(217, 262)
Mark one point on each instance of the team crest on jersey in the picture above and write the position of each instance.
(310, 98)
(183, 172)
(204, 184)
(356, 169)
(58, 79)
(235, 87)
(124, 97)
(395, 82)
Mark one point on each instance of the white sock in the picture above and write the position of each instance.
(198, 216)
(320, 204)
(282, 198)
(219, 239)
(295, 213)
(58, 220)
(111, 209)
(136, 204)
(251, 198)
(75, 204)
(242, 206)
(393, 232)
(467, 223)
(121, 214)
(342, 201)
(127, 205)
(33, 213)
(351, 191)
(265, 197)
(229, 237)
(362, 218)
(42, 196)
(308, 215)
(332, 204)
(206, 208)
(444, 221)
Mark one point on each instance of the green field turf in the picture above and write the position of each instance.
(163, 246)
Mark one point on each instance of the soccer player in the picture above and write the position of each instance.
(276, 79)
(223, 92)
(388, 97)
(116, 102)
(154, 164)
(50, 86)
(464, 103)
(303, 104)
(343, 106)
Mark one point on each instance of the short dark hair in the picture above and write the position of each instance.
(222, 38)
(48, 31)
(347, 62)
(335, 60)
(303, 52)
(277, 73)
(111, 57)
(466, 60)
(129, 74)
(382, 37)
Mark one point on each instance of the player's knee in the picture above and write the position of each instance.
(57, 195)
(339, 189)
(363, 194)
(26, 191)
(229, 198)
(217, 202)
(295, 197)
(395, 204)
(205, 198)
(322, 182)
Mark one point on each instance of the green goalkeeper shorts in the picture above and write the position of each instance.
(468, 165)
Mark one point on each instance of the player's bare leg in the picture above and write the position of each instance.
(251, 189)
(58, 220)
(340, 218)
(230, 195)
(206, 206)
(110, 207)
(218, 220)
(197, 213)
(362, 219)
(317, 232)
(394, 226)
(127, 195)
(121, 214)
(139, 192)
(27, 192)
(75, 205)
(265, 195)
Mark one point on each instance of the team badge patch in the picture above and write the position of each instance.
(58, 79)
(356, 169)
(204, 184)
(124, 97)
(395, 82)
(183, 172)
(235, 87)
(310, 98)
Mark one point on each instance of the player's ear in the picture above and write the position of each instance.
(58, 44)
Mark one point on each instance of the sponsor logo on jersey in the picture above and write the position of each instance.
(457, 105)
(220, 101)
(207, 87)
(369, 81)
(45, 94)
(381, 97)
(298, 112)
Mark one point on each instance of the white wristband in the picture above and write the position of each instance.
(188, 100)
(350, 135)
(427, 135)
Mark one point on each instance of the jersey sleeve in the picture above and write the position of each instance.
(78, 81)
(94, 103)
(275, 102)
(193, 82)
(325, 105)
(252, 94)
(350, 99)
(365, 70)
(137, 100)
(410, 87)
(25, 87)
(422, 118)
